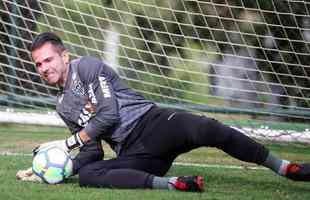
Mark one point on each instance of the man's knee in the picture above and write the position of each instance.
(84, 176)
(88, 154)
(210, 132)
(88, 176)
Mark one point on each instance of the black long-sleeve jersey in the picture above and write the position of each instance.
(117, 107)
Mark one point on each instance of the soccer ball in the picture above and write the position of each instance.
(52, 164)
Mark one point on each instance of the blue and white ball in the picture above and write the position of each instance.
(52, 164)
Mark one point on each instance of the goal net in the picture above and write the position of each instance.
(243, 62)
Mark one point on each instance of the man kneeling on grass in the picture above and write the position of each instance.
(97, 105)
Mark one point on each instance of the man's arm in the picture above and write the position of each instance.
(84, 136)
(97, 79)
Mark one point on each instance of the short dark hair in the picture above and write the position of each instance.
(46, 37)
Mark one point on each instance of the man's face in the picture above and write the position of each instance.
(51, 64)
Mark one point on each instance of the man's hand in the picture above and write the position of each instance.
(67, 145)
(28, 175)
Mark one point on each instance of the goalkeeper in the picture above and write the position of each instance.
(96, 105)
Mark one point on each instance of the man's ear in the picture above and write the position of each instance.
(65, 56)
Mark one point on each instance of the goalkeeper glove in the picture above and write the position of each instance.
(28, 175)
(67, 145)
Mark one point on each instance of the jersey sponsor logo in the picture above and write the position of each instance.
(91, 94)
(84, 117)
(104, 87)
(87, 113)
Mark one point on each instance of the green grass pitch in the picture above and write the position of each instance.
(222, 182)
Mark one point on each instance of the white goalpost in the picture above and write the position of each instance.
(244, 62)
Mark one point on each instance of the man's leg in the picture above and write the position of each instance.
(169, 132)
(89, 153)
(180, 132)
(94, 175)
(131, 173)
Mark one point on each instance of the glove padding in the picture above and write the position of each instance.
(67, 145)
(28, 175)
